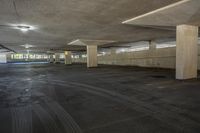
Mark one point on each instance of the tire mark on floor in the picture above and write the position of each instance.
(70, 126)
(65, 118)
(167, 116)
(116, 122)
(21, 119)
(50, 125)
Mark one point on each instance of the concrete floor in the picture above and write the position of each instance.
(54, 98)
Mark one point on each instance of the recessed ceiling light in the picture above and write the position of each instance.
(24, 28)
(27, 46)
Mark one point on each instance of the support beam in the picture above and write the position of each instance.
(186, 52)
(68, 59)
(57, 58)
(169, 16)
(92, 56)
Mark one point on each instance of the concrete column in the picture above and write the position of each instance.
(186, 52)
(3, 58)
(68, 59)
(113, 55)
(8, 58)
(113, 51)
(152, 53)
(57, 58)
(92, 56)
(51, 59)
(152, 45)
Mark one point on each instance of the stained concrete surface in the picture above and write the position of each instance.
(55, 98)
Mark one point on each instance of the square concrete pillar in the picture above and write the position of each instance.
(186, 52)
(57, 58)
(152, 53)
(113, 51)
(152, 45)
(92, 56)
(51, 59)
(68, 59)
(8, 58)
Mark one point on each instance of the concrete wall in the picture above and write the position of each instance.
(162, 58)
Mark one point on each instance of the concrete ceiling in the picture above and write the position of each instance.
(58, 22)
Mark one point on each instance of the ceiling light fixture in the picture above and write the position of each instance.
(27, 46)
(24, 28)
